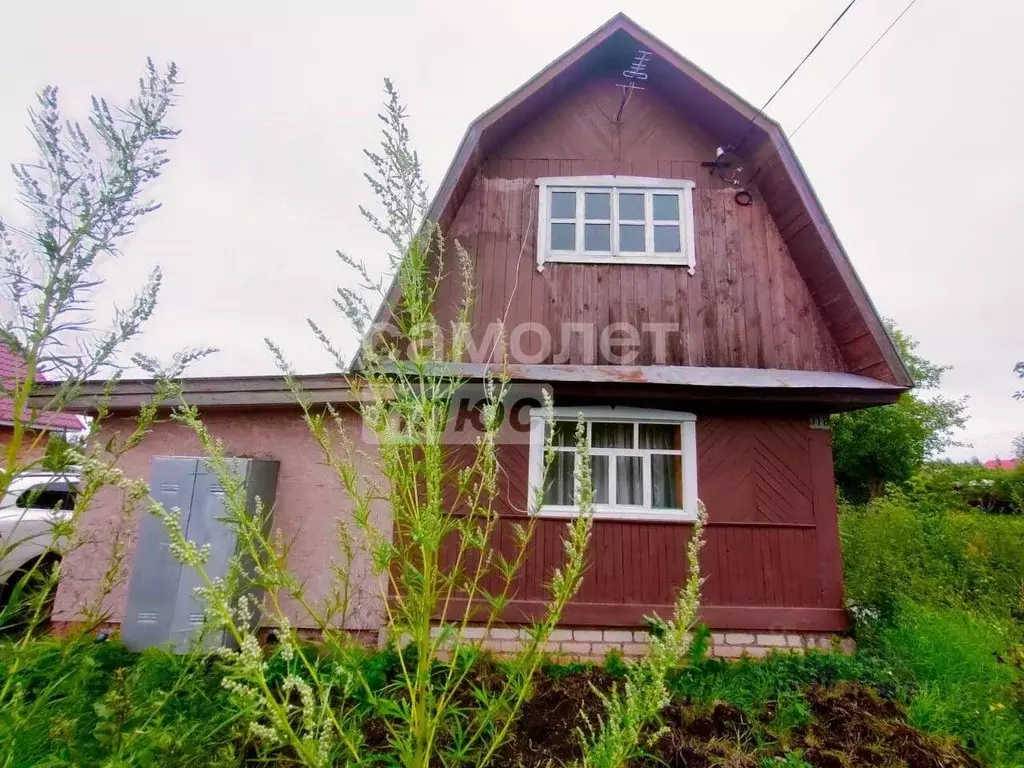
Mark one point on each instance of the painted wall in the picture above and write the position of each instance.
(33, 445)
(310, 507)
(771, 554)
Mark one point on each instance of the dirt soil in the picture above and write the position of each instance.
(849, 726)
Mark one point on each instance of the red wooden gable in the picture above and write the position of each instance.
(837, 305)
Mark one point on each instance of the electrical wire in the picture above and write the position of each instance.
(808, 55)
(792, 74)
(855, 65)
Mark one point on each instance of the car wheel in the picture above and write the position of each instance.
(31, 586)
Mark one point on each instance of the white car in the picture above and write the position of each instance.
(33, 504)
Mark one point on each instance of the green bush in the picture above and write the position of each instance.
(937, 590)
(989, 490)
(925, 547)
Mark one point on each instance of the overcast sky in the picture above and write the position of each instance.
(913, 157)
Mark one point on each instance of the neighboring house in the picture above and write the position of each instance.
(12, 368)
(704, 328)
(998, 463)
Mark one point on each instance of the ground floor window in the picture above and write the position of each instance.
(643, 463)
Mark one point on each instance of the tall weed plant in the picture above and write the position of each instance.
(631, 721)
(432, 554)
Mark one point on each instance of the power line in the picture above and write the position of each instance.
(855, 65)
(809, 54)
(796, 69)
(773, 162)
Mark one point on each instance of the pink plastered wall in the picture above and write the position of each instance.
(309, 508)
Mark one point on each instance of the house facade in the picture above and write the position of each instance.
(655, 257)
(695, 305)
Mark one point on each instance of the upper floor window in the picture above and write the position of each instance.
(616, 220)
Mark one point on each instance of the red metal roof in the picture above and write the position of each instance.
(1001, 464)
(13, 367)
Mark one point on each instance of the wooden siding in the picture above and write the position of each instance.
(746, 306)
(850, 318)
(771, 555)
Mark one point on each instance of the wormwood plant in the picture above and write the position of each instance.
(631, 722)
(82, 195)
(422, 513)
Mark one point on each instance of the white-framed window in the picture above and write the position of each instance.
(643, 463)
(616, 220)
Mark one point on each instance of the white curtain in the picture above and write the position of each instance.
(666, 470)
(629, 476)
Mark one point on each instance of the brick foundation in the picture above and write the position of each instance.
(587, 644)
(595, 644)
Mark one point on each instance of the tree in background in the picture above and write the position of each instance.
(883, 445)
(1017, 446)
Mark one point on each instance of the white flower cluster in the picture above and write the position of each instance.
(250, 655)
(863, 614)
(244, 611)
(241, 690)
(264, 732)
(184, 551)
(287, 646)
(308, 701)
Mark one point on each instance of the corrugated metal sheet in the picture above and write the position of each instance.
(678, 375)
(12, 368)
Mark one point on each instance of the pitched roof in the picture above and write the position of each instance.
(13, 367)
(780, 179)
(1001, 464)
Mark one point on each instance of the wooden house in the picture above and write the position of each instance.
(694, 304)
(705, 319)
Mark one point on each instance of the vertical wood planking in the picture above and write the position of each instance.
(790, 560)
(746, 305)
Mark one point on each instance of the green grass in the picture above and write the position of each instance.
(938, 588)
(82, 703)
(958, 679)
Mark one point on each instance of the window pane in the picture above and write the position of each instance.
(565, 434)
(607, 435)
(600, 478)
(558, 485)
(629, 480)
(663, 436)
(44, 497)
(563, 237)
(563, 205)
(598, 205)
(597, 237)
(666, 207)
(666, 239)
(631, 206)
(666, 481)
(632, 238)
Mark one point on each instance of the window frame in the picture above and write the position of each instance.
(620, 414)
(650, 186)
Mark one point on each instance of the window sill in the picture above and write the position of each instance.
(622, 513)
(639, 258)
